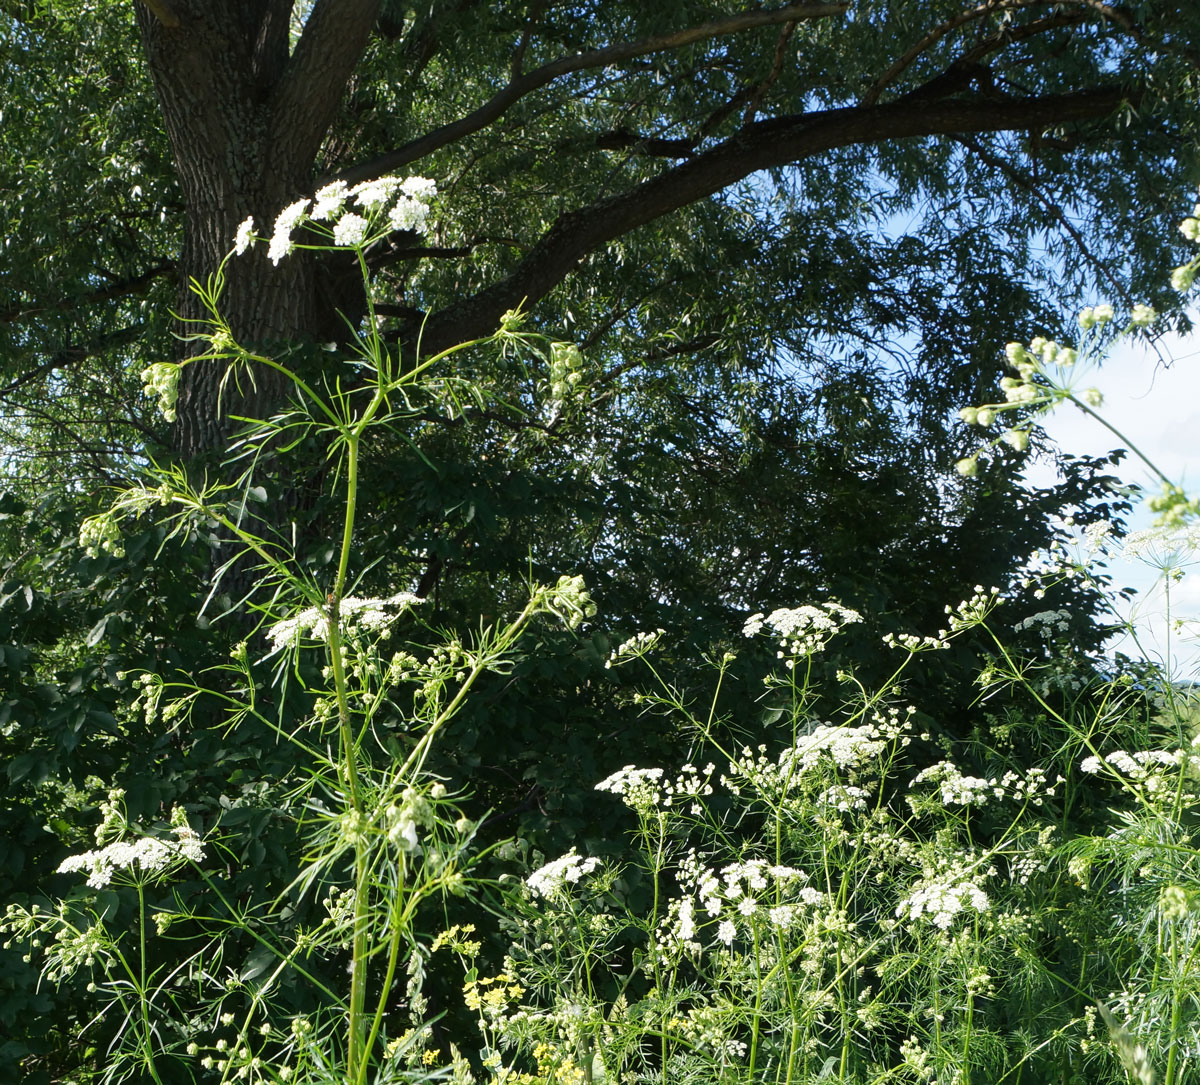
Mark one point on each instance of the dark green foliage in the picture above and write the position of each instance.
(771, 378)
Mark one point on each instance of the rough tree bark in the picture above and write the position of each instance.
(245, 121)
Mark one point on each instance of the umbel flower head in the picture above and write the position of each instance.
(381, 206)
(146, 855)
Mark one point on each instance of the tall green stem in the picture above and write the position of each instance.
(356, 1055)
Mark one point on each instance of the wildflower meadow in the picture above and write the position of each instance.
(826, 882)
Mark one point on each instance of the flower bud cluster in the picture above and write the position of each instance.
(566, 370)
(1095, 315)
(570, 601)
(635, 647)
(1182, 277)
(1174, 507)
(973, 611)
(1041, 383)
(101, 533)
(161, 379)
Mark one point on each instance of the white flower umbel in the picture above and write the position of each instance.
(385, 203)
(844, 798)
(329, 201)
(419, 188)
(641, 789)
(940, 901)
(846, 747)
(369, 615)
(147, 855)
(1142, 766)
(551, 879)
(244, 237)
(281, 241)
(375, 195)
(408, 214)
(350, 230)
(637, 787)
(801, 630)
(956, 789)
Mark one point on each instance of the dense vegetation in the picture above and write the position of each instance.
(590, 414)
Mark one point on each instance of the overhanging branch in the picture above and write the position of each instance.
(136, 286)
(526, 84)
(764, 145)
(1052, 208)
(66, 356)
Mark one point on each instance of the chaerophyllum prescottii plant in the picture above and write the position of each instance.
(1148, 860)
(813, 909)
(380, 837)
(870, 900)
(847, 894)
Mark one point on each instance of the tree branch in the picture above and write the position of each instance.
(764, 145)
(1021, 181)
(67, 356)
(757, 94)
(307, 95)
(981, 11)
(654, 146)
(524, 85)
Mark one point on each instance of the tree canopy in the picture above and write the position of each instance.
(689, 181)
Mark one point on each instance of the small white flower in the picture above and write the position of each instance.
(783, 915)
(419, 188)
(328, 201)
(726, 932)
(374, 195)
(281, 240)
(350, 230)
(408, 215)
(244, 237)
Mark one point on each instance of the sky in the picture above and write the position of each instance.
(1152, 395)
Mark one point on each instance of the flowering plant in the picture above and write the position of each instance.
(381, 836)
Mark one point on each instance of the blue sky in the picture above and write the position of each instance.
(1152, 395)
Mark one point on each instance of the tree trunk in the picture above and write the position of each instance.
(245, 120)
